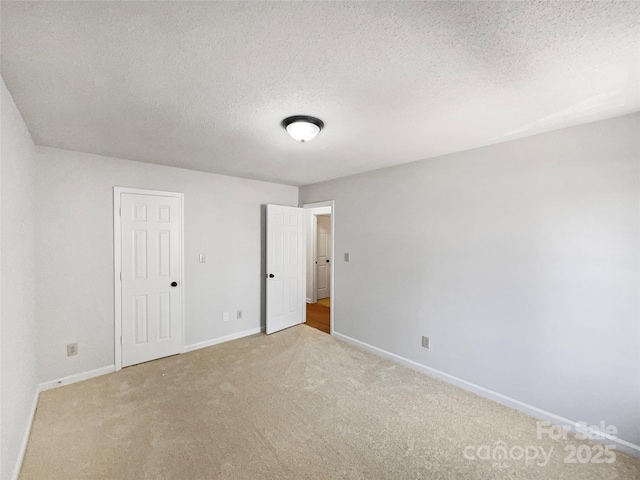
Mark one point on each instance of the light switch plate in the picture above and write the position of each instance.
(347, 257)
(203, 258)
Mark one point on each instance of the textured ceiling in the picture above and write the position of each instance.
(205, 85)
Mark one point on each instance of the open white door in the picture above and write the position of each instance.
(285, 267)
(323, 256)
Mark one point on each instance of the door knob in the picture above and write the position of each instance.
(174, 284)
(271, 275)
(327, 261)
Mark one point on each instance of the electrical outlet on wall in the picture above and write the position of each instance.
(425, 342)
(239, 315)
(72, 349)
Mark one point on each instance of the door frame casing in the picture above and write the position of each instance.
(332, 204)
(117, 264)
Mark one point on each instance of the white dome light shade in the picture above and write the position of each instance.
(303, 128)
(303, 131)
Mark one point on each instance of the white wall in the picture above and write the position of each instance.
(18, 358)
(223, 218)
(519, 260)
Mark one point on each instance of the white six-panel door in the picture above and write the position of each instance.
(151, 263)
(285, 267)
(323, 257)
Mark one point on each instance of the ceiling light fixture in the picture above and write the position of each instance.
(302, 127)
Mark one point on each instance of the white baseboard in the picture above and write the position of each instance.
(25, 437)
(78, 377)
(226, 338)
(621, 445)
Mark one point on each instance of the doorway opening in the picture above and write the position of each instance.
(319, 223)
(294, 284)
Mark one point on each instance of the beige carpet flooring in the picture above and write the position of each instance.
(294, 405)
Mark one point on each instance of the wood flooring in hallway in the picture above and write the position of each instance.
(319, 317)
